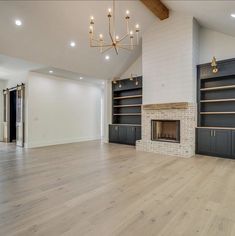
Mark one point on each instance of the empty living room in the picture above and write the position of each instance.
(117, 117)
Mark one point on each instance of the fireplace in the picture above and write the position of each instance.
(165, 130)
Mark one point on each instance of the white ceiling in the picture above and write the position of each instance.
(214, 15)
(17, 69)
(48, 26)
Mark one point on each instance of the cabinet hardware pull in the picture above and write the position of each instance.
(214, 133)
(211, 133)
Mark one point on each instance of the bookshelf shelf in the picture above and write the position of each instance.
(218, 100)
(218, 88)
(127, 114)
(128, 97)
(132, 105)
(218, 113)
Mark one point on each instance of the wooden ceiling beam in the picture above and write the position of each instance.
(157, 7)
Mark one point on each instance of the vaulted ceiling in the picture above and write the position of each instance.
(49, 26)
(215, 15)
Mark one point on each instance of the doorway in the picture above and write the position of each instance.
(12, 116)
(13, 124)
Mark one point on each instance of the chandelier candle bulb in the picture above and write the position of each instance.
(109, 12)
(92, 20)
(137, 30)
(91, 33)
(137, 27)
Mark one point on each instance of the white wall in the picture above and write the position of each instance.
(61, 111)
(135, 68)
(167, 61)
(216, 44)
(2, 86)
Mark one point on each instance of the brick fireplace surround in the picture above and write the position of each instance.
(185, 112)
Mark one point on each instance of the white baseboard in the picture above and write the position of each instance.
(59, 142)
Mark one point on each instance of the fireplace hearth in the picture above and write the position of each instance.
(165, 130)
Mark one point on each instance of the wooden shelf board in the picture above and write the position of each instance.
(218, 100)
(165, 106)
(127, 114)
(208, 127)
(126, 97)
(218, 88)
(132, 105)
(127, 124)
(217, 113)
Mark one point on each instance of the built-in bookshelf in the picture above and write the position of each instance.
(216, 110)
(126, 111)
(127, 101)
(217, 101)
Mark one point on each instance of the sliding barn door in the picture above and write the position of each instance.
(6, 114)
(20, 116)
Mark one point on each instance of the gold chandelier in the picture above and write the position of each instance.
(116, 42)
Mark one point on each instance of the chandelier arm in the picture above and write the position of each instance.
(114, 19)
(96, 40)
(127, 45)
(98, 46)
(110, 34)
(123, 37)
(128, 49)
(107, 49)
(104, 43)
(116, 50)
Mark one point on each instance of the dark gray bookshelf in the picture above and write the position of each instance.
(126, 111)
(216, 110)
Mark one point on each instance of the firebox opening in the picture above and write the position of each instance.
(166, 130)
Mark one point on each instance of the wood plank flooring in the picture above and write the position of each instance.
(99, 189)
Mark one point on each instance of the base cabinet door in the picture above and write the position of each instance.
(122, 134)
(222, 143)
(138, 133)
(215, 142)
(233, 144)
(204, 141)
(130, 138)
(113, 133)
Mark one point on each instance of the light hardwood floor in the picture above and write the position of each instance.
(107, 189)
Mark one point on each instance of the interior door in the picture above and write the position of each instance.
(6, 114)
(20, 116)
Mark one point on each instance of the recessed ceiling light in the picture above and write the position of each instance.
(72, 44)
(51, 71)
(18, 22)
(81, 78)
(233, 15)
(107, 57)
